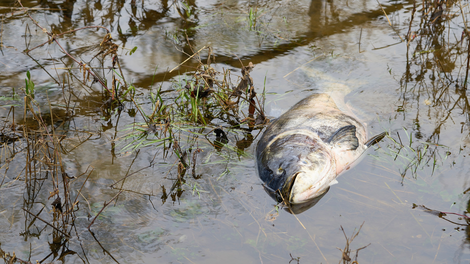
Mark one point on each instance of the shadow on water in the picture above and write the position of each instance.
(300, 208)
(127, 130)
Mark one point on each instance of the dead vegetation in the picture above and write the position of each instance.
(444, 215)
(346, 252)
(53, 193)
(434, 75)
(183, 114)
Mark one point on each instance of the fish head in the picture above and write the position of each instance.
(296, 167)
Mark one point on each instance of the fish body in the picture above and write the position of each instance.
(303, 151)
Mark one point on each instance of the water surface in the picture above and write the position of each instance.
(413, 89)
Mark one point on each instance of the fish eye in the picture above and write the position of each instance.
(280, 171)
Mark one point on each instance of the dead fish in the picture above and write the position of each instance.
(303, 151)
(302, 207)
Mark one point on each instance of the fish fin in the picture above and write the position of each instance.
(376, 139)
(333, 182)
(345, 138)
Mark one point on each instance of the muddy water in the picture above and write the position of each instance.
(220, 212)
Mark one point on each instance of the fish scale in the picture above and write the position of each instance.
(303, 151)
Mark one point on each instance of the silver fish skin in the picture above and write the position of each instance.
(303, 151)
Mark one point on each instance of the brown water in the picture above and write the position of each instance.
(220, 212)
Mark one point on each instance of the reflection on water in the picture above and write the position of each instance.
(196, 198)
(300, 208)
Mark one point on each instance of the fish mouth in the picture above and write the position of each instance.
(302, 207)
(286, 191)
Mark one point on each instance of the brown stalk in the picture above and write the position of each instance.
(67, 32)
(105, 204)
(408, 35)
(53, 38)
(346, 258)
(60, 231)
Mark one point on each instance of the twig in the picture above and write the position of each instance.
(360, 38)
(437, 212)
(29, 8)
(468, 63)
(104, 250)
(70, 31)
(11, 258)
(104, 206)
(437, 251)
(312, 238)
(390, 23)
(47, 223)
(110, 201)
(463, 18)
(53, 38)
(112, 185)
(316, 58)
(80, 191)
(187, 59)
(346, 251)
(130, 166)
(408, 35)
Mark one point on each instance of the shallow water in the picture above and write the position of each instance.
(221, 212)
